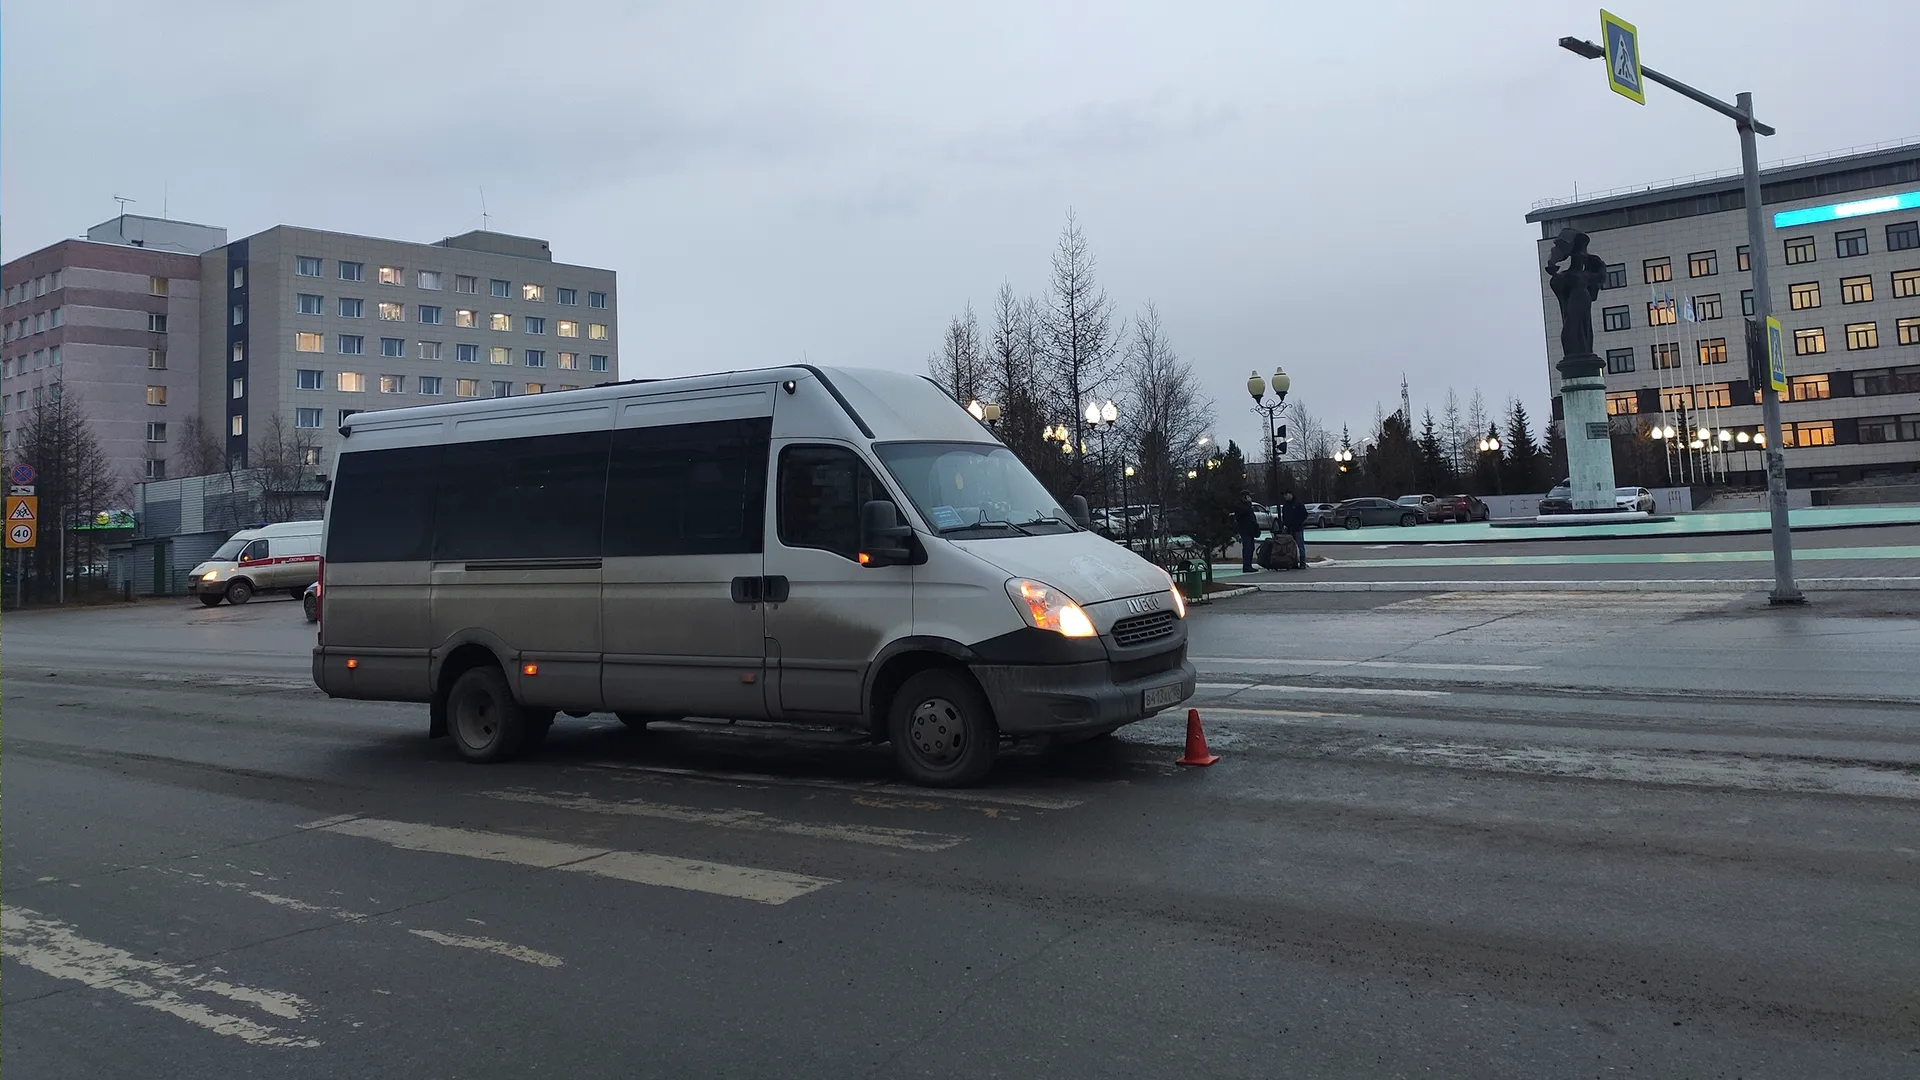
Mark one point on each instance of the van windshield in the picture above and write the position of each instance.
(228, 551)
(973, 489)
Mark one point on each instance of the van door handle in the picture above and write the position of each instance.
(775, 589)
(748, 590)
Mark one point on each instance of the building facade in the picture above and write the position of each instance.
(303, 328)
(115, 321)
(1843, 253)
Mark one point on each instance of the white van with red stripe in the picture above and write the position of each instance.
(273, 558)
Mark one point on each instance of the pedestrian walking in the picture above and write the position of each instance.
(1293, 518)
(1249, 529)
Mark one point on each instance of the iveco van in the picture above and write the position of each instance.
(273, 558)
(823, 547)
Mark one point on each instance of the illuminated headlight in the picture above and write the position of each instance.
(1179, 603)
(1047, 608)
(211, 575)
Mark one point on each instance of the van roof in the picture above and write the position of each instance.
(281, 528)
(884, 405)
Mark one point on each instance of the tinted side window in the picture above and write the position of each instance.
(531, 498)
(821, 491)
(382, 507)
(688, 489)
(255, 550)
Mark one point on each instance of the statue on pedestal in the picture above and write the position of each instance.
(1575, 286)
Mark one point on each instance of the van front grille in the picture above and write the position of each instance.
(1140, 629)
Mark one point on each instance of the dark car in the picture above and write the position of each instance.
(1558, 501)
(1320, 515)
(310, 602)
(1357, 512)
(1458, 508)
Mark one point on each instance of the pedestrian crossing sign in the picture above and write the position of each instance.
(23, 521)
(1623, 57)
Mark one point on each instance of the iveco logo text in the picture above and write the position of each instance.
(1142, 604)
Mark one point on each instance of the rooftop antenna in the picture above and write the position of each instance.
(483, 209)
(164, 186)
(123, 201)
(1406, 404)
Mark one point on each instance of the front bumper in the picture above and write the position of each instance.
(1061, 699)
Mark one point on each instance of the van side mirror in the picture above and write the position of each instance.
(1082, 514)
(884, 539)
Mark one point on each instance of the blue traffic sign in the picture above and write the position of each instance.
(22, 474)
(1623, 57)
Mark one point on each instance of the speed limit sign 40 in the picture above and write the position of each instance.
(23, 520)
(20, 536)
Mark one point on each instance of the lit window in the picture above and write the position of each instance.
(157, 432)
(1850, 244)
(156, 395)
(393, 384)
(352, 344)
(1905, 283)
(1619, 361)
(309, 418)
(536, 294)
(1808, 388)
(351, 382)
(309, 343)
(536, 388)
(308, 378)
(502, 289)
(1713, 350)
(431, 280)
(1810, 342)
(1661, 313)
(1703, 263)
(567, 328)
(1624, 403)
(351, 308)
(463, 283)
(1808, 433)
(596, 362)
(565, 296)
(306, 266)
(597, 299)
(1863, 335)
(1744, 256)
(430, 385)
(569, 386)
(466, 387)
(567, 361)
(238, 426)
(309, 304)
(1799, 250)
(597, 331)
(466, 354)
(1909, 331)
(500, 320)
(466, 317)
(156, 361)
(428, 314)
(393, 346)
(430, 350)
(156, 322)
(536, 358)
(392, 275)
(393, 312)
(239, 277)
(534, 324)
(352, 271)
(502, 389)
(1686, 398)
(1657, 270)
(500, 356)
(1804, 295)
(237, 389)
(1856, 290)
(156, 286)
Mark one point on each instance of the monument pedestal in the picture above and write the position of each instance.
(1589, 434)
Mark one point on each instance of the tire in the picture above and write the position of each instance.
(942, 729)
(1350, 523)
(311, 606)
(239, 591)
(487, 725)
(211, 599)
(1408, 521)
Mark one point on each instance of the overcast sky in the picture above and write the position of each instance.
(836, 180)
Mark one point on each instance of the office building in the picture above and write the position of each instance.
(303, 328)
(114, 320)
(1843, 250)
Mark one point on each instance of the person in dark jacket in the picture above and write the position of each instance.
(1249, 529)
(1293, 518)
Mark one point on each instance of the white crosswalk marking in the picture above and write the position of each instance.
(1249, 663)
(748, 820)
(1324, 691)
(492, 945)
(668, 871)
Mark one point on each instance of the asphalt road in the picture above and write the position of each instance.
(1452, 835)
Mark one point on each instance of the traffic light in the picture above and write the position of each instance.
(1280, 447)
(1280, 432)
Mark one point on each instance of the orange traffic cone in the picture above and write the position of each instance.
(1196, 743)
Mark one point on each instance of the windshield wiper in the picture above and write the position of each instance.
(1050, 520)
(984, 524)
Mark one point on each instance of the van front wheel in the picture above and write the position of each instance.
(211, 599)
(487, 724)
(942, 730)
(239, 592)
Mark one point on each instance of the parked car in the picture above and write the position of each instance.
(1458, 508)
(1266, 518)
(1422, 503)
(1633, 498)
(1558, 501)
(1320, 515)
(310, 602)
(1357, 512)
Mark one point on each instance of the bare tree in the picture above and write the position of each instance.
(286, 458)
(1083, 344)
(1477, 417)
(1313, 446)
(1166, 411)
(1010, 376)
(961, 368)
(200, 453)
(1455, 433)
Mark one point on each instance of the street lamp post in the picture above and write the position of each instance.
(1785, 591)
(1491, 445)
(1101, 418)
(1126, 504)
(1257, 388)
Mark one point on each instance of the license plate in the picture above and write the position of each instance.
(1159, 697)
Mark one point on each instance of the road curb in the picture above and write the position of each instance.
(1690, 585)
(1228, 594)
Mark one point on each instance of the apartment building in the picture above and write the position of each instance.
(303, 328)
(113, 320)
(1843, 249)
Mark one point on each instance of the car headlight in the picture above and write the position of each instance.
(211, 575)
(1047, 608)
(1179, 601)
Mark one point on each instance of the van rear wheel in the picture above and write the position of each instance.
(486, 723)
(942, 729)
